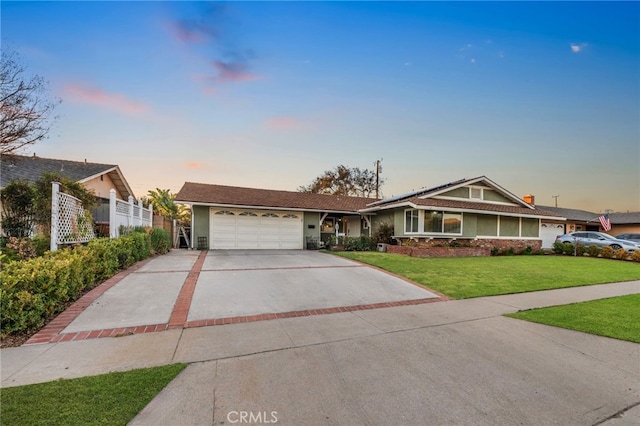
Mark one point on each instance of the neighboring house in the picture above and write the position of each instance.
(582, 220)
(476, 212)
(98, 178)
(622, 223)
(576, 220)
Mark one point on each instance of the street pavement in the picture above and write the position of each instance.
(445, 362)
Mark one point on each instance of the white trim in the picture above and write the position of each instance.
(238, 206)
(476, 200)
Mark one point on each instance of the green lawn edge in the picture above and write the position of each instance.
(615, 317)
(107, 399)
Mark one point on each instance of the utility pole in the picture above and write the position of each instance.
(378, 171)
(556, 197)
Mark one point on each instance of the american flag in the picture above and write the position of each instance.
(605, 222)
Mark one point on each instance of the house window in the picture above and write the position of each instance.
(248, 214)
(432, 221)
(290, 216)
(269, 215)
(442, 223)
(475, 193)
(452, 223)
(225, 213)
(411, 221)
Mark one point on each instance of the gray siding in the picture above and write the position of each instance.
(311, 219)
(200, 225)
(495, 196)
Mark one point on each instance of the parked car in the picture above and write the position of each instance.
(599, 239)
(630, 237)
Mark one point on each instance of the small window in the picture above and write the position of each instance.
(248, 214)
(411, 221)
(475, 193)
(270, 215)
(225, 213)
(290, 216)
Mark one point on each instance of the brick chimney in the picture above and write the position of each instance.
(530, 199)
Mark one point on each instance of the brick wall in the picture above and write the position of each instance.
(459, 248)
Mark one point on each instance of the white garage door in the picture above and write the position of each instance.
(548, 233)
(255, 229)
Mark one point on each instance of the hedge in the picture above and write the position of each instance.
(35, 290)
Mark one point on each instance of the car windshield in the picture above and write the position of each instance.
(607, 236)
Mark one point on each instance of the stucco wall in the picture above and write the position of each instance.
(101, 187)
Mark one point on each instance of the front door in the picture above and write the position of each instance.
(351, 226)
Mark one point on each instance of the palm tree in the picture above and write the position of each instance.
(164, 203)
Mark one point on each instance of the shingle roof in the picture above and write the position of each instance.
(572, 214)
(624, 218)
(200, 193)
(30, 168)
(19, 167)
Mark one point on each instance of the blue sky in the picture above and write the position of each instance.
(541, 97)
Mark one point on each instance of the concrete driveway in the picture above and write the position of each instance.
(249, 282)
(191, 289)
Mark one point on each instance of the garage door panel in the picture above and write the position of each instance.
(265, 230)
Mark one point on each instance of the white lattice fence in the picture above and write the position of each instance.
(70, 223)
(127, 213)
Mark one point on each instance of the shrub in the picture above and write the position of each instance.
(593, 250)
(635, 256)
(558, 247)
(160, 241)
(23, 247)
(621, 254)
(580, 249)
(495, 251)
(568, 248)
(361, 243)
(383, 234)
(527, 251)
(31, 291)
(606, 252)
(508, 252)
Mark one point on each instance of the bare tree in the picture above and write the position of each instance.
(344, 181)
(25, 106)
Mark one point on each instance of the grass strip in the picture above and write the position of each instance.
(466, 277)
(108, 399)
(615, 317)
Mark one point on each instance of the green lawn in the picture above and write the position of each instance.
(462, 278)
(616, 317)
(109, 399)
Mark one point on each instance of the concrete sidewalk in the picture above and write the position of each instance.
(453, 362)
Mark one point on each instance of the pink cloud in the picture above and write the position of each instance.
(233, 71)
(95, 96)
(193, 165)
(282, 123)
(190, 32)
